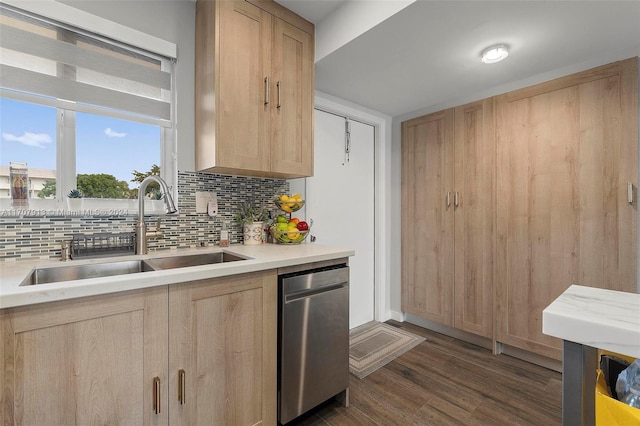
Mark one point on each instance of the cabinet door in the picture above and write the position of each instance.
(566, 151)
(427, 217)
(89, 361)
(233, 46)
(474, 203)
(223, 351)
(292, 111)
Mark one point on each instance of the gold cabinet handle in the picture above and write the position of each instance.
(278, 86)
(182, 387)
(456, 200)
(156, 395)
(266, 91)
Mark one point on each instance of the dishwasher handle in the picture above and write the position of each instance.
(303, 294)
(313, 279)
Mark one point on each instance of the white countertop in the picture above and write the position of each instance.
(262, 257)
(604, 319)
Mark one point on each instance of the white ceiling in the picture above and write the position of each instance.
(427, 54)
(312, 10)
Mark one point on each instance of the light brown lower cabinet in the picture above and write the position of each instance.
(222, 345)
(86, 361)
(119, 359)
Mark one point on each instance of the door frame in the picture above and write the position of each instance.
(382, 206)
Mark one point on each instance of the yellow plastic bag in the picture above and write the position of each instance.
(609, 411)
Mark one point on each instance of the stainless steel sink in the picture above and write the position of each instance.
(107, 269)
(79, 272)
(183, 261)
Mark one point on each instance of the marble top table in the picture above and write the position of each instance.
(588, 319)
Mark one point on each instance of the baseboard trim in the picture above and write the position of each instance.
(396, 316)
(484, 342)
(543, 361)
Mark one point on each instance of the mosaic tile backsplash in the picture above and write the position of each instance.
(40, 237)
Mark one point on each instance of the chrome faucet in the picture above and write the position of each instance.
(141, 226)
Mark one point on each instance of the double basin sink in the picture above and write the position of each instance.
(96, 270)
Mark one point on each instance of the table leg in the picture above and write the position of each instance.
(579, 364)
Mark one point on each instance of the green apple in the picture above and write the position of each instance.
(282, 219)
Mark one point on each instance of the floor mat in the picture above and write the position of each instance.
(374, 344)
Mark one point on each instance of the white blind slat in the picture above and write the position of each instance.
(59, 103)
(80, 19)
(42, 59)
(29, 81)
(71, 54)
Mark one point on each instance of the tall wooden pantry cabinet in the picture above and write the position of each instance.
(447, 223)
(508, 201)
(566, 152)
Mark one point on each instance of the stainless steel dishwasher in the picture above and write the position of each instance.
(313, 334)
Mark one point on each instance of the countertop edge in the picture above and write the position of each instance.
(599, 318)
(261, 258)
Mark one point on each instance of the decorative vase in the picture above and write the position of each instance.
(253, 233)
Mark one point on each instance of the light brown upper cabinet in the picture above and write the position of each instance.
(253, 89)
(566, 152)
(447, 217)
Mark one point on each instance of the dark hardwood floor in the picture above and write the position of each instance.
(445, 381)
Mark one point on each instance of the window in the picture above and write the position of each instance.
(123, 147)
(81, 111)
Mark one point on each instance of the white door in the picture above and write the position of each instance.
(340, 201)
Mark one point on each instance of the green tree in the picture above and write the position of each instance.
(48, 189)
(138, 177)
(102, 186)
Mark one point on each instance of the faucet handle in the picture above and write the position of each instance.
(154, 231)
(157, 227)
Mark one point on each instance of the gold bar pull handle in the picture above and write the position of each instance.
(182, 387)
(278, 86)
(156, 395)
(266, 91)
(448, 199)
(456, 199)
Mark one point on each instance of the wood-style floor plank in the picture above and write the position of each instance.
(443, 382)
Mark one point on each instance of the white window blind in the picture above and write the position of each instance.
(53, 64)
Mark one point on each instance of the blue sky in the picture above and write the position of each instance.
(103, 144)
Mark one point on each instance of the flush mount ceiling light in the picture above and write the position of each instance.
(494, 54)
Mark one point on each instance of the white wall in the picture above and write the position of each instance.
(170, 20)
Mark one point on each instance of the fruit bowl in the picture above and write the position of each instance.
(289, 236)
(289, 206)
